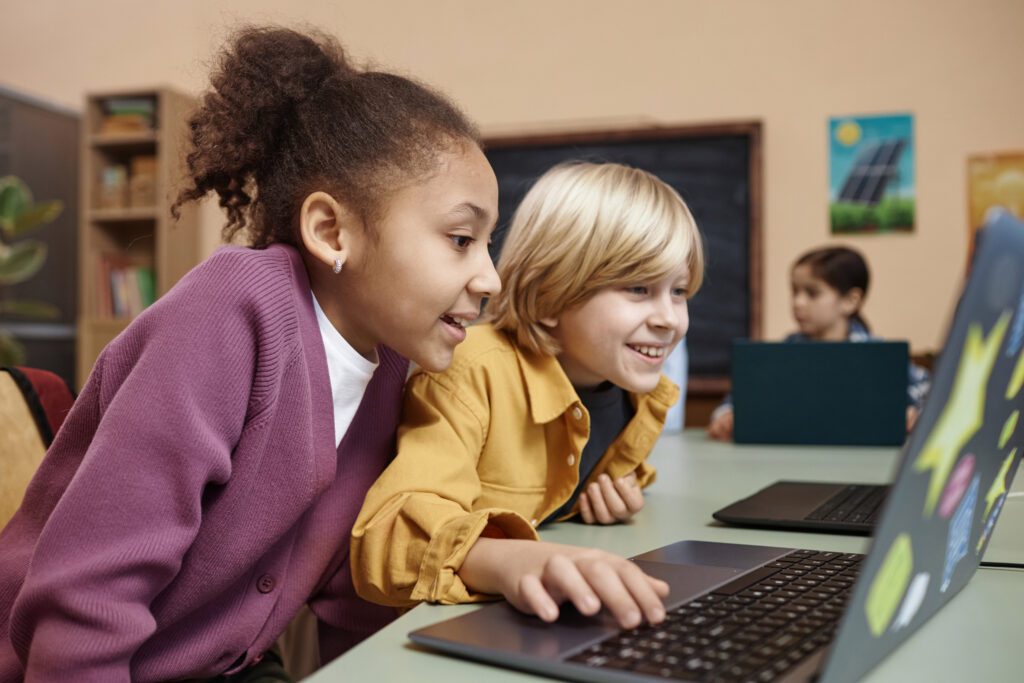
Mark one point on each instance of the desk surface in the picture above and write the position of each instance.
(975, 637)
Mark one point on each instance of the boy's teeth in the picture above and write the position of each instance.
(650, 351)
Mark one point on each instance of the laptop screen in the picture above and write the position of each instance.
(956, 467)
(845, 393)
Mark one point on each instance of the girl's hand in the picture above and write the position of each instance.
(537, 577)
(606, 502)
(912, 414)
(721, 426)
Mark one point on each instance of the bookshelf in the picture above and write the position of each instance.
(130, 248)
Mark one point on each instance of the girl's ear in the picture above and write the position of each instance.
(327, 228)
(850, 302)
(549, 322)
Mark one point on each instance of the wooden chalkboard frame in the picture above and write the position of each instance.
(751, 130)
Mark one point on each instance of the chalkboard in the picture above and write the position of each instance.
(716, 169)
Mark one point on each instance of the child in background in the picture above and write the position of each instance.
(203, 488)
(548, 411)
(828, 288)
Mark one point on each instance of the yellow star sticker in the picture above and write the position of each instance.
(998, 487)
(1008, 427)
(1016, 379)
(962, 415)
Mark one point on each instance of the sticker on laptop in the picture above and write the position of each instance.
(960, 533)
(962, 415)
(912, 601)
(1008, 427)
(957, 485)
(889, 585)
(994, 499)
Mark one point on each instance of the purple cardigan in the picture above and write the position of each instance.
(194, 500)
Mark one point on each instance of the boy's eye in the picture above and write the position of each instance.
(680, 291)
(639, 290)
(461, 241)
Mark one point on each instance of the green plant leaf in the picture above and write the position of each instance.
(15, 197)
(38, 310)
(35, 216)
(21, 261)
(11, 352)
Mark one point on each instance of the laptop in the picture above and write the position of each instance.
(835, 393)
(757, 613)
(825, 507)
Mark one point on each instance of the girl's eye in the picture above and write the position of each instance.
(639, 290)
(461, 241)
(680, 292)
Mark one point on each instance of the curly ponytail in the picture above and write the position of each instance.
(288, 114)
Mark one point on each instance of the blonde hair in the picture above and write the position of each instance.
(584, 227)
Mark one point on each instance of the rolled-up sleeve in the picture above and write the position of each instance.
(418, 521)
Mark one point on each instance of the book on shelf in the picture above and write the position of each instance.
(124, 288)
(142, 181)
(113, 187)
(123, 115)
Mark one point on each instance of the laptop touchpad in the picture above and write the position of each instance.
(687, 580)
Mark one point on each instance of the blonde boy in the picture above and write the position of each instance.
(562, 385)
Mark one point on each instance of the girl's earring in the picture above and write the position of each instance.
(337, 266)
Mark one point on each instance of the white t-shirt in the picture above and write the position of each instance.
(349, 372)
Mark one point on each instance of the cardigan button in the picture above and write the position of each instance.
(571, 460)
(533, 522)
(577, 413)
(265, 584)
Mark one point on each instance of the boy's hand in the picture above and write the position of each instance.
(721, 426)
(537, 577)
(606, 502)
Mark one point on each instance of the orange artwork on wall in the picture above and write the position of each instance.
(993, 180)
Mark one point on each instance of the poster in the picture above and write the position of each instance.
(871, 174)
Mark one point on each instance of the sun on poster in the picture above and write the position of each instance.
(871, 173)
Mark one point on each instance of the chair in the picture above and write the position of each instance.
(33, 405)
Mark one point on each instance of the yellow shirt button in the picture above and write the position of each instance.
(533, 522)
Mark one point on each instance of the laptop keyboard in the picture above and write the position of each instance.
(857, 503)
(754, 628)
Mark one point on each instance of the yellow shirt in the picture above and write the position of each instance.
(493, 443)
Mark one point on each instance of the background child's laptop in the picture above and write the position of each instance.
(840, 393)
(743, 612)
(809, 506)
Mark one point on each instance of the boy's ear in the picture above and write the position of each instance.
(851, 301)
(549, 322)
(327, 228)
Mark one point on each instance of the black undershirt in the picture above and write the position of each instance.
(610, 411)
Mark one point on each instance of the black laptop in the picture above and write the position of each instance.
(836, 393)
(825, 507)
(754, 613)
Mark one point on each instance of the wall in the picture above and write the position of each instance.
(543, 64)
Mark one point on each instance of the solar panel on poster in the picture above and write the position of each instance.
(874, 168)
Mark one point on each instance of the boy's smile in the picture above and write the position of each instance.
(623, 335)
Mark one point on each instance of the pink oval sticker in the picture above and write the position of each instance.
(956, 485)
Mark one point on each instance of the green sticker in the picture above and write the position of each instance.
(889, 585)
